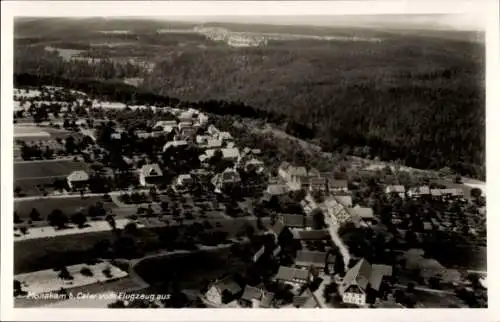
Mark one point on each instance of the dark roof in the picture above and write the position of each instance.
(378, 272)
(251, 293)
(293, 220)
(267, 299)
(317, 234)
(359, 274)
(337, 183)
(305, 300)
(290, 273)
(278, 227)
(308, 258)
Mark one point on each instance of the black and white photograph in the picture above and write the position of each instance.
(218, 161)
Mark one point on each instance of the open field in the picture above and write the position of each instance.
(47, 253)
(46, 281)
(45, 169)
(31, 132)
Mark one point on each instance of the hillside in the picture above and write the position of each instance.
(412, 97)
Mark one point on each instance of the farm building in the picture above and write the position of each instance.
(306, 258)
(337, 186)
(256, 297)
(77, 179)
(293, 275)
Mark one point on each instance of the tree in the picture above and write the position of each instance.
(476, 193)
(79, 219)
(17, 219)
(57, 219)
(17, 190)
(111, 221)
(131, 228)
(65, 274)
(85, 271)
(318, 219)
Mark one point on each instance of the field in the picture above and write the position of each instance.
(29, 132)
(47, 253)
(45, 169)
(191, 271)
(68, 206)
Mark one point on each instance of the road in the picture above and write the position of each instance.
(63, 196)
(426, 289)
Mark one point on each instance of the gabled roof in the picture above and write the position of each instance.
(251, 293)
(256, 151)
(278, 227)
(213, 143)
(362, 212)
(307, 300)
(317, 181)
(227, 284)
(377, 274)
(151, 170)
(422, 190)
(277, 189)
(308, 258)
(359, 275)
(298, 171)
(337, 183)
(345, 201)
(316, 234)
(79, 175)
(293, 220)
(290, 273)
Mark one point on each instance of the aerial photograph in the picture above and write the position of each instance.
(277, 162)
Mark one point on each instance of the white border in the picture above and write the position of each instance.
(488, 9)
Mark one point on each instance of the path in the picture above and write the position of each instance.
(426, 289)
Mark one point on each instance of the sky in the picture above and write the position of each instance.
(436, 21)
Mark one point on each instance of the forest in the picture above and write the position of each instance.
(419, 100)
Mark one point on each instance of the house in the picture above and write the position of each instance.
(417, 192)
(150, 174)
(337, 186)
(188, 132)
(166, 126)
(277, 189)
(315, 234)
(77, 179)
(202, 119)
(282, 234)
(224, 136)
(360, 279)
(232, 154)
(223, 291)
(229, 177)
(294, 275)
(186, 116)
(363, 213)
(116, 136)
(317, 184)
(175, 144)
(184, 181)
(345, 200)
(294, 176)
(307, 258)
(293, 220)
(427, 226)
(398, 190)
(202, 140)
(256, 297)
(184, 124)
(307, 300)
(254, 165)
(212, 130)
(256, 151)
(213, 144)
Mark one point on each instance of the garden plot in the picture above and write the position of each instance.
(49, 281)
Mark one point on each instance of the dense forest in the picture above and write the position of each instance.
(420, 100)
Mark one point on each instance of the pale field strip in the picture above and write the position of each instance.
(49, 281)
(94, 226)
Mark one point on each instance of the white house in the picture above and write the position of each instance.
(77, 179)
(184, 180)
(359, 279)
(212, 130)
(216, 290)
(416, 192)
(294, 176)
(396, 189)
(150, 174)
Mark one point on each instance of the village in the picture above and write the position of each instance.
(86, 169)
